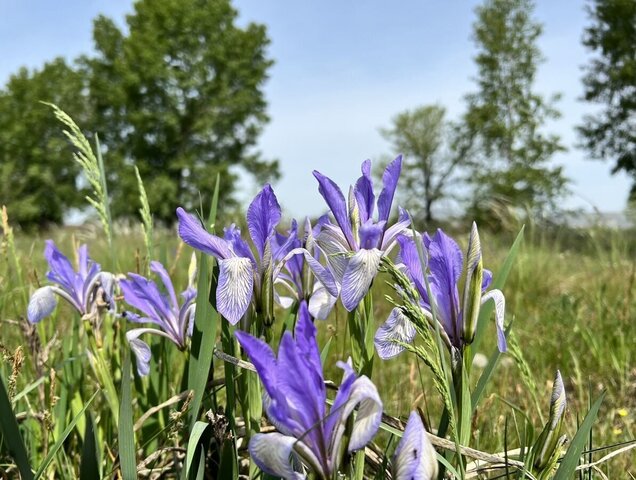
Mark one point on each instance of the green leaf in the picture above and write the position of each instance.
(198, 429)
(54, 449)
(205, 326)
(325, 351)
(201, 465)
(11, 435)
(89, 464)
(487, 374)
(571, 457)
(229, 460)
(127, 458)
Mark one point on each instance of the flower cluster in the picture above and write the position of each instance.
(435, 265)
(174, 320)
(309, 270)
(88, 290)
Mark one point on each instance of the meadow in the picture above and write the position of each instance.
(224, 389)
(571, 295)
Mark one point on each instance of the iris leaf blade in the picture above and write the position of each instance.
(11, 435)
(126, 433)
(570, 460)
(205, 325)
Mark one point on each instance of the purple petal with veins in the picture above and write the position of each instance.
(364, 192)
(192, 233)
(336, 202)
(263, 216)
(389, 180)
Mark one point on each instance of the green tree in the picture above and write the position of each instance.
(504, 119)
(611, 81)
(431, 161)
(179, 95)
(37, 176)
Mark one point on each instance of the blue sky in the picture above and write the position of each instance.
(343, 70)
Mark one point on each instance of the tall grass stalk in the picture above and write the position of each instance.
(93, 167)
(146, 220)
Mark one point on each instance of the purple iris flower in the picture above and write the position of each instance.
(445, 266)
(242, 275)
(88, 290)
(296, 277)
(295, 402)
(355, 246)
(160, 308)
(414, 457)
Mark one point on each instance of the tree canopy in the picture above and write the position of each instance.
(431, 161)
(38, 180)
(178, 93)
(610, 80)
(505, 116)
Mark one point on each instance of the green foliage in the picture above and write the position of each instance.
(180, 96)
(10, 434)
(610, 81)
(125, 428)
(503, 123)
(37, 182)
(431, 159)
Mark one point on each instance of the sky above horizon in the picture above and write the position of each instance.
(342, 71)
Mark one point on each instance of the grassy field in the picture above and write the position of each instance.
(571, 296)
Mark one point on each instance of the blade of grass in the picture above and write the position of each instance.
(325, 351)
(60, 441)
(89, 464)
(11, 435)
(126, 432)
(571, 458)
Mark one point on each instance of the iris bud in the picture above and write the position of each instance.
(472, 287)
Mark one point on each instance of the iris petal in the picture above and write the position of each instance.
(398, 228)
(61, 270)
(272, 453)
(415, 457)
(41, 304)
(364, 192)
(193, 234)
(389, 180)
(321, 302)
(362, 393)
(336, 202)
(500, 307)
(361, 270)
(262, 358)
(334, 246)
(397, 328)
(263, 215)
(323, 274)
(234, 291)
(140, 349)
(160, 270)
